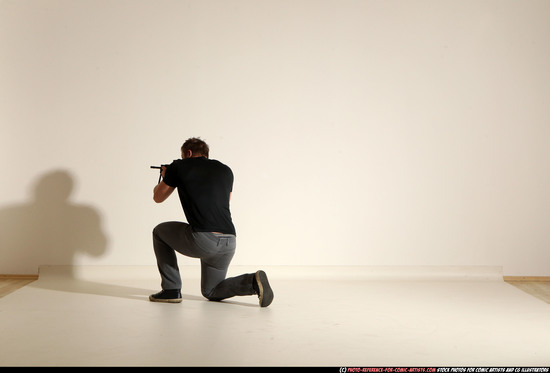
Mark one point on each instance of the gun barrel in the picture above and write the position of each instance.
(157, 167)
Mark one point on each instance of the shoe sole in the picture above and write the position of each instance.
(266, 294)
(173, 300)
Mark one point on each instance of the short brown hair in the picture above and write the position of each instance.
(197, 146)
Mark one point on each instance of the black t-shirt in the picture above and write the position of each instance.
(204, 186)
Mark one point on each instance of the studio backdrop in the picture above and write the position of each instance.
(360, 132)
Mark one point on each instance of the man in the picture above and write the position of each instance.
(204, 187)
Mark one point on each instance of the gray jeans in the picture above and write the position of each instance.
(215, 252)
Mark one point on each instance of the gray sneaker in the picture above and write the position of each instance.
(265, 294)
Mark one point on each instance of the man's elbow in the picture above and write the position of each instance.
(162, 192)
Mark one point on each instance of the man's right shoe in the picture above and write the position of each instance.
(265, 294)
(166, 296)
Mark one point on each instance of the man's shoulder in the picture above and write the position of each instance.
(219, 163)
(222, 168)
(201, 162)
(215, 162)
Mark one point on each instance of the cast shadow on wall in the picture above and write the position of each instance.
(49, 229)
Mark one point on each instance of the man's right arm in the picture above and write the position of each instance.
(162, 191)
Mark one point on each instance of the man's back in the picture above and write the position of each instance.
(204, 187)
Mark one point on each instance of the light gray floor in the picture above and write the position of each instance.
(350, 316)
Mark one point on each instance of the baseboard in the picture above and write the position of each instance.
(352, 273)
(527, 278)
(505, 278)
(19, 277)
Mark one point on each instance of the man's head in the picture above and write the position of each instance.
(194, 147)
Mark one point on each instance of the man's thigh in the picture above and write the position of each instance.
(178, 236)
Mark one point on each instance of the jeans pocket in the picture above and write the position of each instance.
(226, 244)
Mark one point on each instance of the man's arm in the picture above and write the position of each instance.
(162, 190)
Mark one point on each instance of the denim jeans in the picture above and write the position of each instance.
(215, 252)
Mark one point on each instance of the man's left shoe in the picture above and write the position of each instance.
(166, 296)
(265, 294)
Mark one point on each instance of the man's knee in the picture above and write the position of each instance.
(162, 230)
(160, 235)
(156, 235)
(209, 294)
(158, 228)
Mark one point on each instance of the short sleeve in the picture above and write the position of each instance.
(171, 175)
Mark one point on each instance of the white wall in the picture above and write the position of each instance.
(360, 132)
